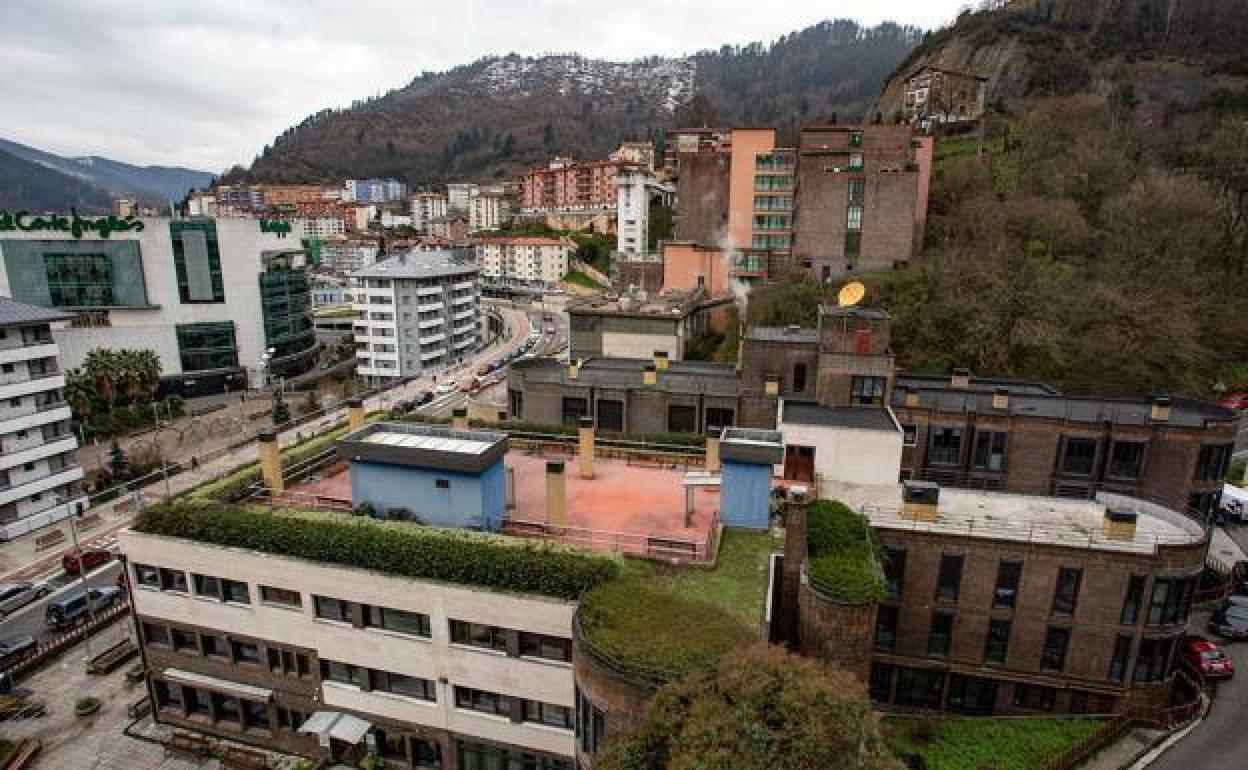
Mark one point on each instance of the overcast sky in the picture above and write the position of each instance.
(207, 84)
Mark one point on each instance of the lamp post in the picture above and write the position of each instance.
(82, 573)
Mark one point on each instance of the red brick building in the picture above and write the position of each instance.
(565, 184)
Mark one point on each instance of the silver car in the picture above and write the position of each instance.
(14, 596)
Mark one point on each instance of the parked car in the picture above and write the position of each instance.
(14, 648)
(1230, 621)
(445, 387)
(1205, 658)
(1236, 401)
(425, 398)
(14, 596)
(91, 558)
(72, 608)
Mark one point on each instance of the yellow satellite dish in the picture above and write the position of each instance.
(851, 294)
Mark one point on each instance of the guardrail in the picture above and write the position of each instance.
(698, 551)
(1085, 748)
(57, 644)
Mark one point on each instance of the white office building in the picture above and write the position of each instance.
(634, 189)
(322, 227)
(208, 296)
(524, 260)
(419, 311)
(39, 481)
(425, 207)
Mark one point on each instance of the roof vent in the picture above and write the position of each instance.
(1119, 524)
(1161, 409)
(920, 500)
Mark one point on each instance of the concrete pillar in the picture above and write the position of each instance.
(355, 413)
(585, 456)
(712, 449)
(459, 418)
(511, 488)
(556, 494)
(270, 457)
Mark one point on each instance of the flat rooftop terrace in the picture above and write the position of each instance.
(1025, 518)
(627, 508)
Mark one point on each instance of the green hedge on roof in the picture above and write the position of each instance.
(408, 550)
(842, 561)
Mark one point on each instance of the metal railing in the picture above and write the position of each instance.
(56, 644)
(672, 549)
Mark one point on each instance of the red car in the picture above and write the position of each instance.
(1206, 658)
(1236, 401)
(91, 558)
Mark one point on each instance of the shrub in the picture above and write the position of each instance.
(843, 564)
(365, 509)
(423, 553)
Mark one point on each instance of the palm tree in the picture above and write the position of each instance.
(102, 367)
(79, 394)
(148, 365)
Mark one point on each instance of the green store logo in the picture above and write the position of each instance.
(279, 227)
(77, 226)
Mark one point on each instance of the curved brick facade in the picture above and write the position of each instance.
(835, 632)
(621, 699)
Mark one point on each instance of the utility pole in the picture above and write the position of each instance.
(82, 574)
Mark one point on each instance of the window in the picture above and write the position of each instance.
(1078, 456)
(477, 756)
(391, 745)
(857, 191)
(478, 635)
(147, 576)
(235, 591)
(172, 580)
(1009, 574)
(909, 435)
(480, 700)
(407, 686)
(591, 724)
(548, 647)
(207, 586)
(197, 260)
(1126, 459)
(945, 446)
(227, 708)
(853, 218)
(611, 415)
(442, 483)
(855, 161)
(344, 673)
(288, 662)
(290, 720)
(868, 390)
(245, 652)
(799, 378)
(1118, 661)
(998, 644)
(1171, 601)
(1034, 697)
(207, 346)
(886, 627)
(682, 419)
(855, 138)
(332, 609)
(1053, 655)
(548, 714)
(1066, 594)
(168, 695)
(1131, 603)
(941, 633)
(79, 280)
(989, 452)
(920, 688)
(196, 702)
(213, 646)
(717, 417)
(1213, 462)
(282, 596)
(894, 570)
(949, 579)
(182, 640)
(156, 634)
(255, 715)
(1152, 664)
(853, 244)
(574, 409)
(399, 621)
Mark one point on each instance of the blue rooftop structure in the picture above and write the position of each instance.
(747, 458)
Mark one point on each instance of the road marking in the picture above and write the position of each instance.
(75, 583)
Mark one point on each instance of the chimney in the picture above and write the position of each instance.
(1161, 409)
(961, 378)
(459, 418)
(585, 458)
(270, 457)
(712, 448)
(556, 494)
(660, 360)
(649, 376)
(1119, 524)
(920, 500)
(355, 413)
(1001, 399)
(912, 398)
(574, 368)
(771, 386)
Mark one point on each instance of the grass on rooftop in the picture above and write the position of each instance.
(843, 564)
(973, 744)
(658, 622)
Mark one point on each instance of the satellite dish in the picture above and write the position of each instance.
(851, 294)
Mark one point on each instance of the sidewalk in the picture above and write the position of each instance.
(1123, 752)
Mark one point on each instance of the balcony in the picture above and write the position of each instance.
(42, 484)
(432, 338)
(460, 315)
(26, 418)
(467, 342)
(461, 329)
(56, 511)
(463, 299)
(433, 307)
(38, 452)
(431, 354)
(426, 291)
(463, 285)
(431, 323)
(33, 385)
(45, 349)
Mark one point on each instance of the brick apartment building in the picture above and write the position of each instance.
(565, 184)
(939, 96)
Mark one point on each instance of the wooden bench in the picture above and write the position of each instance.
(140, 708)
(188, 745)
(238, 758)
(49, 539)
(112, 657)
(87, 522)
(23, 754)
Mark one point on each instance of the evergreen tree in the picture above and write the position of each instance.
(117, 462)
(281, 412)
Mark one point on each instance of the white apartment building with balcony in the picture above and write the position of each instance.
(40, 482)
(634, 189)
(524, 260)
(427, 206)
(488, 209)
(419, 311)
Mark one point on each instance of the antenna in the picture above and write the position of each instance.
(851, 294)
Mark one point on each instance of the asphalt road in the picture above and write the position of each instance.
(29, 619)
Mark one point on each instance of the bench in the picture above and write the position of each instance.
(237, 758)
(188, 745)
(140, 708)
(87, 522)
(49, 539)
(23, 754)
(112, 657)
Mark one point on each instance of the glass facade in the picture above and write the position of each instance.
(286, 299)
(79, 280)
(74, 274)
(207, 346)
(197, 259)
